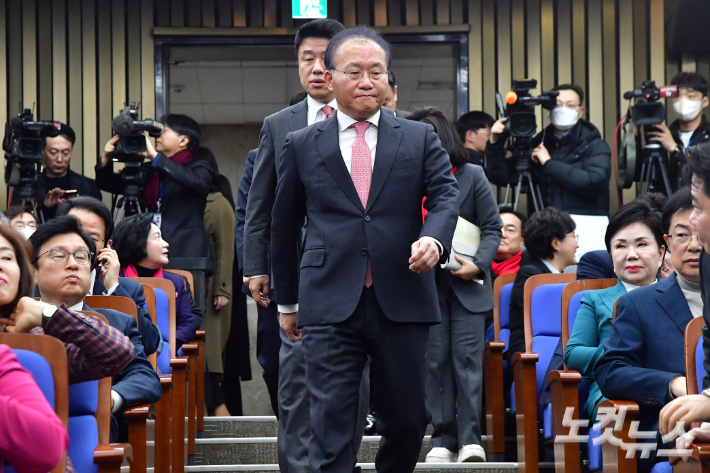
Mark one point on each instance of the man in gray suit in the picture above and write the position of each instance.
(363, 285)
(293, 394)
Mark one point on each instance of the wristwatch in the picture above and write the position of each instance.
(706, 392)
(47, 314)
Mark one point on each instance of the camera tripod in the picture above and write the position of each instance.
(524, 179)
(129, 204)
(652, 163)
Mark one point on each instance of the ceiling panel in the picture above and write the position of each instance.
(184, 86)
(221, 84)
(193, 110)
(265, 85)
(223, 114)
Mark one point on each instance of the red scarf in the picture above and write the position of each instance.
(508, 266)
(130, 271)
(425, 211)
(152, 189)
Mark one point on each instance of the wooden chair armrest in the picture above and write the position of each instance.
(142, 412)
(495, 399)
(189, 349)
(179, 400)
(136, 418)
(526, 409)
(701, 453)
(111, 456)
(564, 394)
(199, 336)
(200, 388)
(614, 458)
(161, 451)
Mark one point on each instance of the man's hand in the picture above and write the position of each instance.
(678, 387)
(468, 269)
(220, 301)
(425, 254)
(245, 281)
(687, 409)
(661, 134)
(259, 288)
(497, 129)
(540, 154)
(110, 268)
(54, 197)
(26, 316)
(109, 149)
(696, 435)
(150, 154)
(288, 325)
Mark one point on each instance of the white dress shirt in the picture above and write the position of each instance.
(107, 292)
(315, 110)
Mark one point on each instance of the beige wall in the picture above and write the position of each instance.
(230, 145)
(80, 60)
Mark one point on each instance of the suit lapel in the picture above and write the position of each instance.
(465, 182)
(388, 140)
(328, 147)
(299, 116)
(672, 301)
(619, 290)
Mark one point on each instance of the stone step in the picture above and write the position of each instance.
(366, 467)
(247, 426)
(263, 450)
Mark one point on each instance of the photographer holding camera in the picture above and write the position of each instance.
(691, 127)
(176, 181)
(56, 177)
(571, 161)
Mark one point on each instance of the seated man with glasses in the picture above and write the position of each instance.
(95, 219)
(56, 177)
(571, 161)
(643, 359)
(63, 255)
(22, 219)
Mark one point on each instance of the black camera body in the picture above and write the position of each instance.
(521, 107)
(650, 112)
(131, 131)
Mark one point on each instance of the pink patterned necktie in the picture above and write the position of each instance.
(328, 110)
(361, 173)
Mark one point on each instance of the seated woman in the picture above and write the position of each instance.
(635, 242)
(551, 243)
(143, 253)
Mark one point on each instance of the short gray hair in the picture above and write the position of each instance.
(358, 32)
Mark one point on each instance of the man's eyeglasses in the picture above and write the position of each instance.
(681, 239)
(355, 77)
(59, 255)
(22, 225)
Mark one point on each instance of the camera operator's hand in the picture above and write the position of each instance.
(151, 153)
(110, 268)
(540, 155)
(54, 197)
(661, 134)
(109, 149)
(497, 129)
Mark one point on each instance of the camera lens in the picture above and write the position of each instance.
(30, 148)
(133, 144)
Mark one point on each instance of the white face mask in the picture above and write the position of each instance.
(26, 232)
(564, 118)
(687, 110)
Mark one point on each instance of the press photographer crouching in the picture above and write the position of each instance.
(690, 128)
(176, 181)
(571, 161)
(56, 178)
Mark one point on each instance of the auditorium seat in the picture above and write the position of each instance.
(569, 389)
(541, 311)
(494, 369)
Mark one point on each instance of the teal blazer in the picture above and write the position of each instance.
(591, 328)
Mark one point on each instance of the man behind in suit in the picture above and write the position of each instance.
(364, 286)
(294, 398)
(391, 96)
(95, 219)
(63, 257)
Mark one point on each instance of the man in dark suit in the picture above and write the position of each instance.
(294, 398)
(56, 177)
(96, 221)
(391, 97)
(644, 357)
(363, 284)
(63, 258)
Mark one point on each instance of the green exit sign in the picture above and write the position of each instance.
(309, 9)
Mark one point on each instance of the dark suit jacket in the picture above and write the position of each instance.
(241, 212)
(477, 205)
(595, 265)
(705, 292)
(516, 342)
(646, 347)
(341, 235)
(134, 291)
(83, 185)
(185, 190)
(138, 383)
(257, 230)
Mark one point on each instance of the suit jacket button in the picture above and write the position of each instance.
(363, 252)
(367, 218)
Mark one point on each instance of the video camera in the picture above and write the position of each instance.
(130, 131)
(650, 112)
(520, 107)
